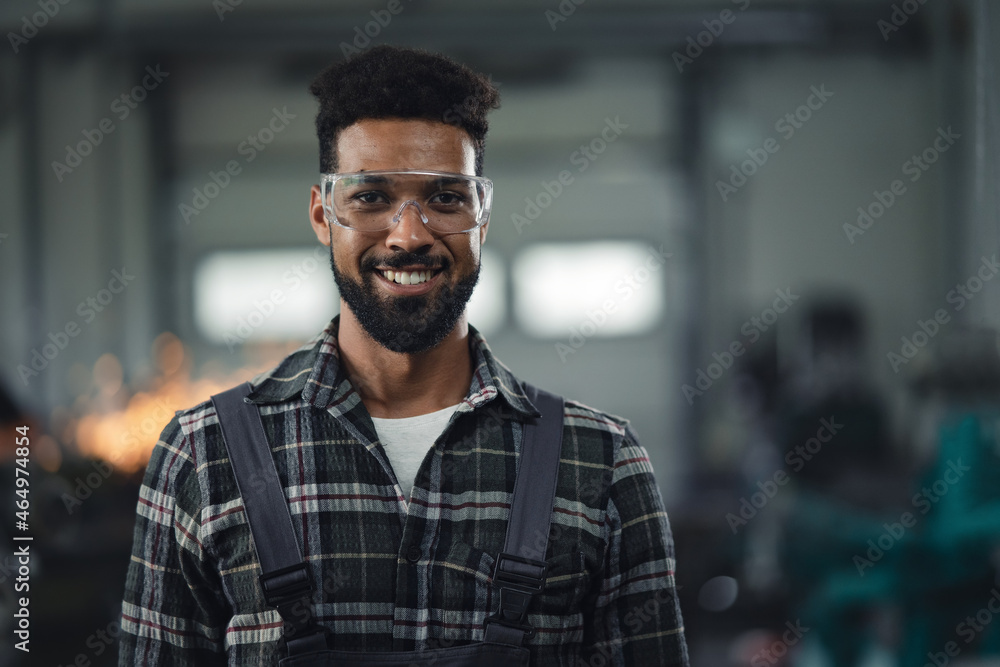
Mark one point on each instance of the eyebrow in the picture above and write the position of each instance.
(448, 180)
(379, 179)
(365, 179)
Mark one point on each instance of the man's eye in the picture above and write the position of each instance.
(448, 199)
(370, 197)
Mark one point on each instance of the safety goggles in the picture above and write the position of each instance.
(373, 201)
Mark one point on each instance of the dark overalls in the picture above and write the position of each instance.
(520, 567)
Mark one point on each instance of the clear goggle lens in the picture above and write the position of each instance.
(372, 201)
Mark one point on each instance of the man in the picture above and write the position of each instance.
(396, 435)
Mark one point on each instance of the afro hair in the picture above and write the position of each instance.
(393, 82)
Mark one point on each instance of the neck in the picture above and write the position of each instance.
(397, 384)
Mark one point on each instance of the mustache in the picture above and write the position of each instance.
(402, 259)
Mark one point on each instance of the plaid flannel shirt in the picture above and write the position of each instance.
(392, 573)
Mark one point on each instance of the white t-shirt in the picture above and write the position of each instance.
(407, 440)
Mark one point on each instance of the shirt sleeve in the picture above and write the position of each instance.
(173, 612)
(636, 618)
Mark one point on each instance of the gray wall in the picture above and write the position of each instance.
(782, 229)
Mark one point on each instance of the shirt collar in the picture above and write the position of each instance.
(314, 373)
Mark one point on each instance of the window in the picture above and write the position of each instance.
(616, 286)
(264, 295)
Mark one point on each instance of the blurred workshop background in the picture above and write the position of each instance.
(764, 231)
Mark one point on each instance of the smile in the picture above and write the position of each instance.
(409, 277)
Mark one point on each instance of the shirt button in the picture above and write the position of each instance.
(413, 553)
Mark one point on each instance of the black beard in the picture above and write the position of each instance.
(407, 324)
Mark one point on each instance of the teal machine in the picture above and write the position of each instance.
(935, 571)
(858, 547)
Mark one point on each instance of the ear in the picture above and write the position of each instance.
(317, 218)
(483, 229)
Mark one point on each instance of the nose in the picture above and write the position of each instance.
(410, 232)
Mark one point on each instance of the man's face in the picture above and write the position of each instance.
(403, 318)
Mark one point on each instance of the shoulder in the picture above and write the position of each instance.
(199, 426)
(593, 435)
(182, 450)
(604, 439)
(580, 416)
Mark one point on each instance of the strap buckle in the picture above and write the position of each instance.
(519, 579)
(520, 572)
(287, 585)
(289, 590)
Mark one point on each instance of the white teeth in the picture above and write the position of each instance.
(407, 277)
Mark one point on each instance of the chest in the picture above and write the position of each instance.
(406, 569)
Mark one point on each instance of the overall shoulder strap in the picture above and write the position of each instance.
(520, 568)
(284, 575)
